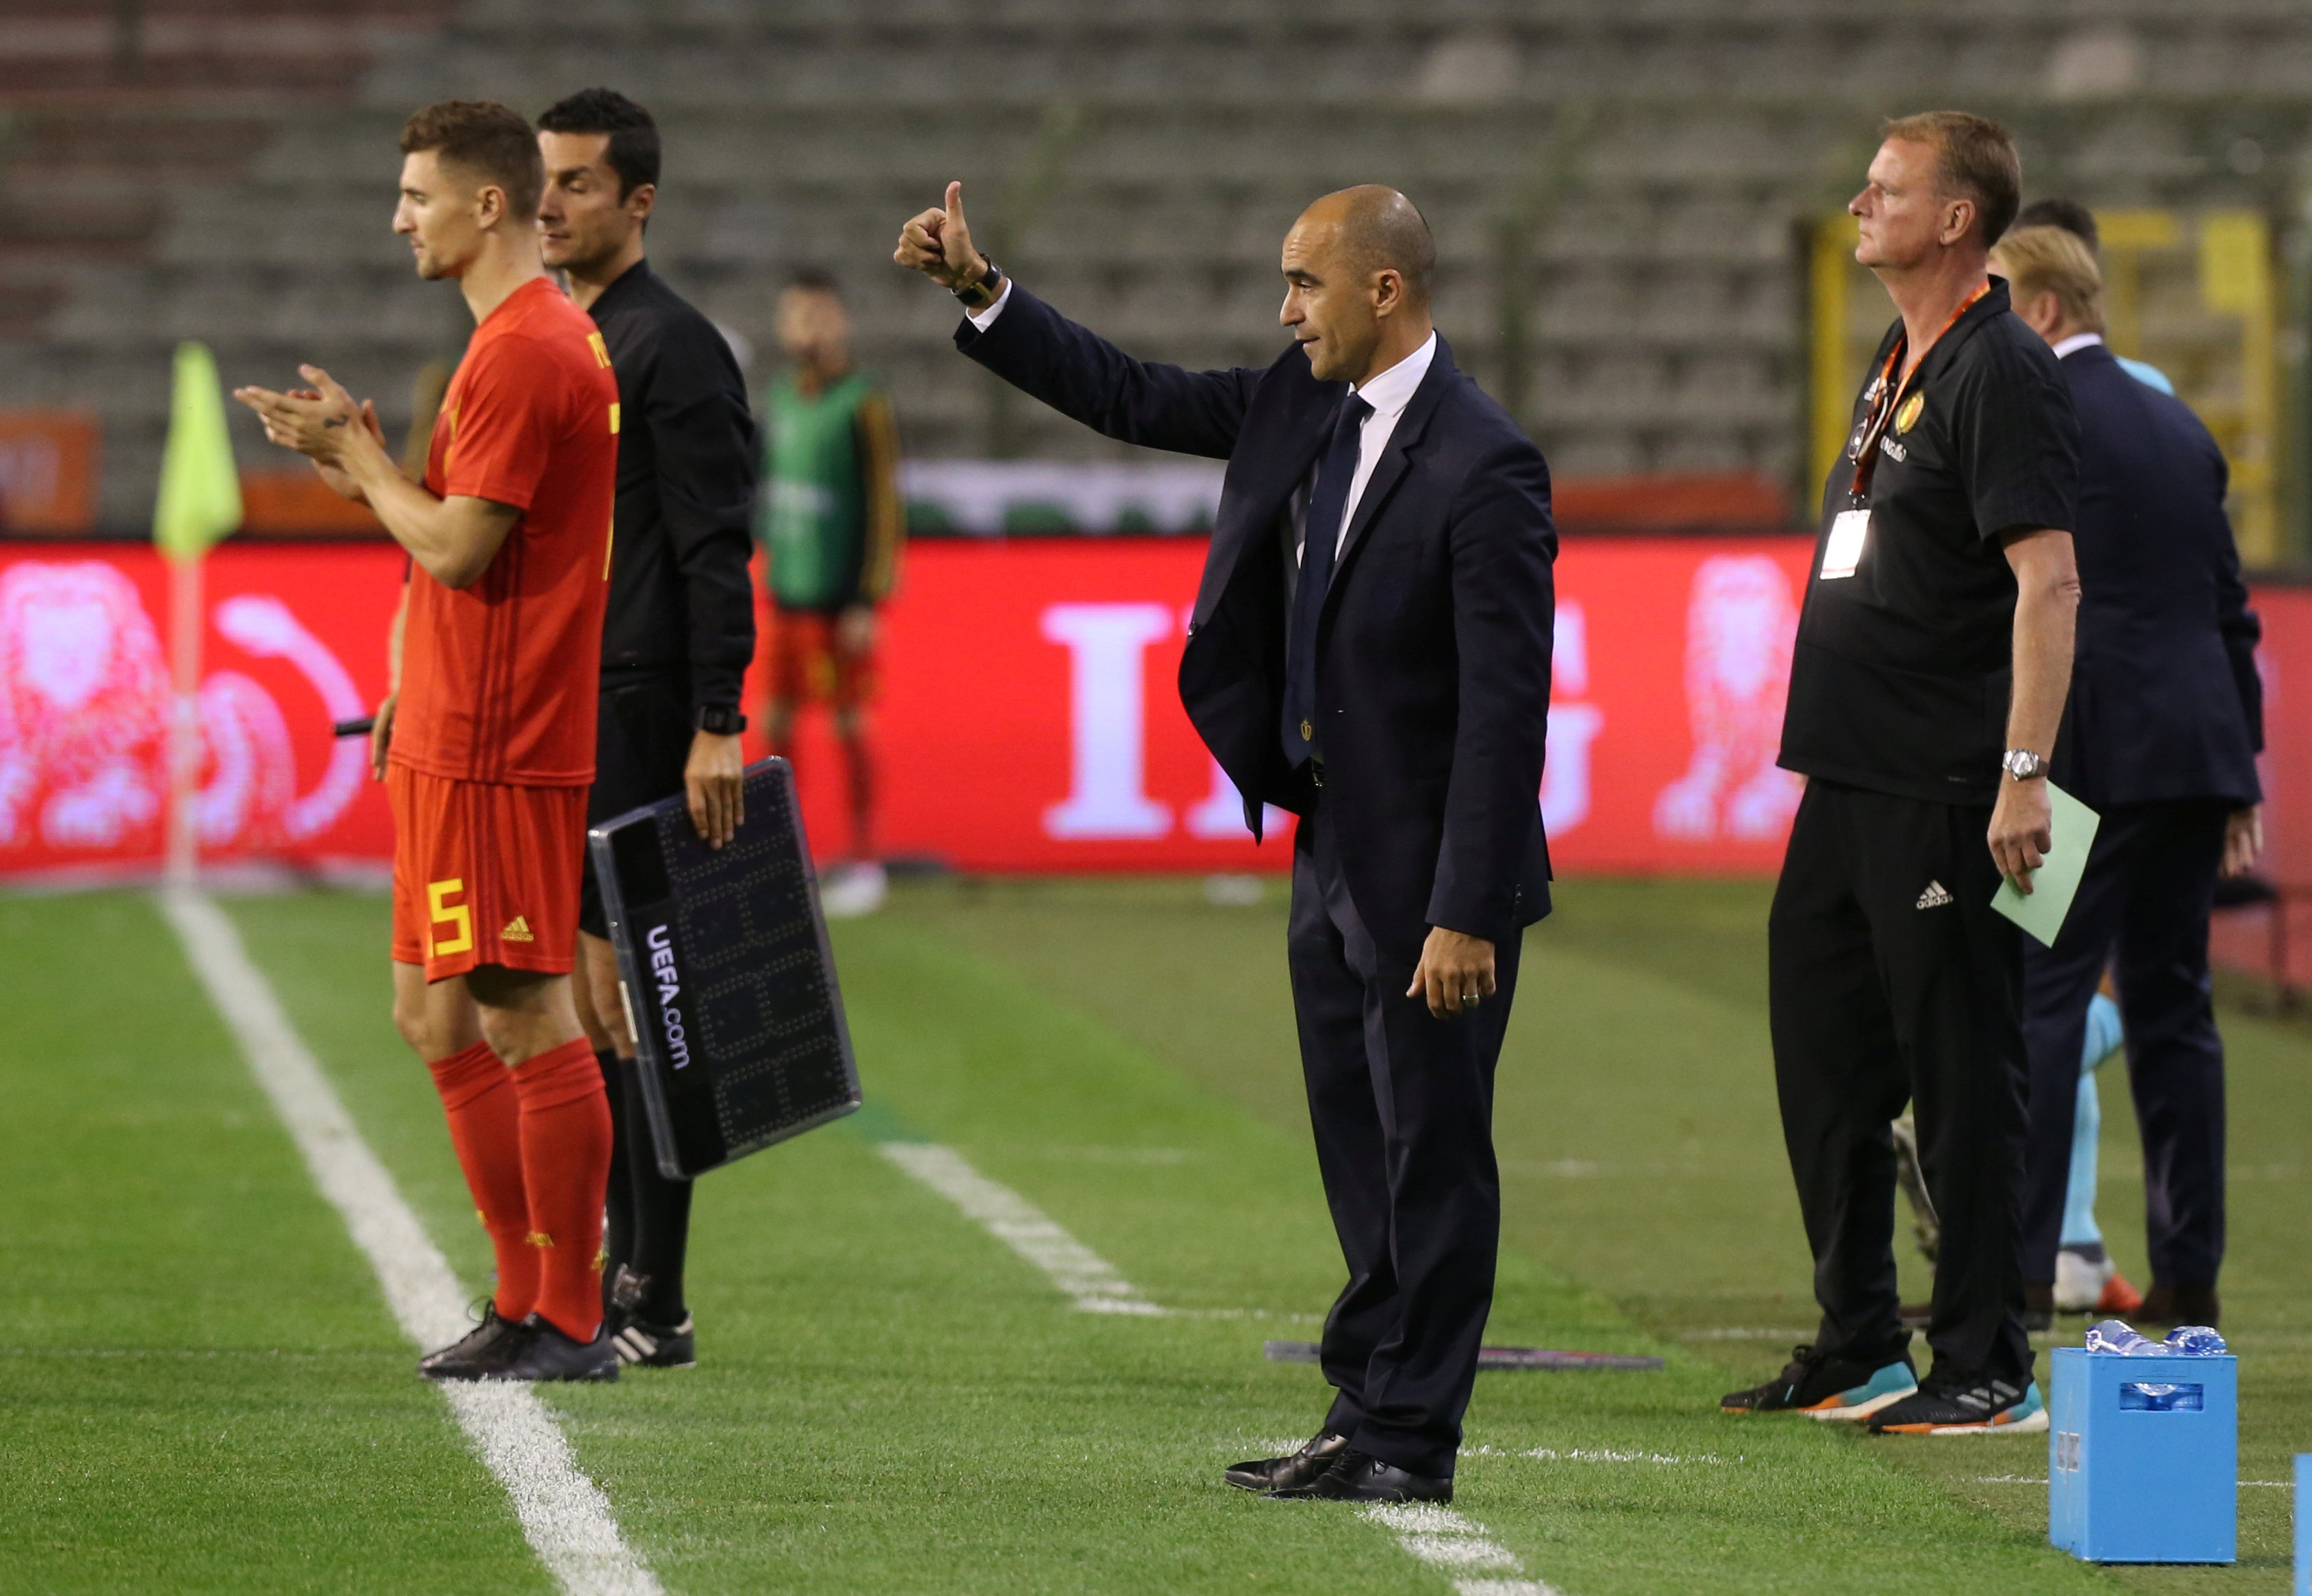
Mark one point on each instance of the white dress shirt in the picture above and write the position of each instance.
(1388, 394)
(2077, 340)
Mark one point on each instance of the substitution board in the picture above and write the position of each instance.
(727, 977)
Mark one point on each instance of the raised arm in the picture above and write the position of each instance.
(1077, 373)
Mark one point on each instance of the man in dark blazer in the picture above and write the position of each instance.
(2160, 736)
(1369, 650)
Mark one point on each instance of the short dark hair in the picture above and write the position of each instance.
(816, 279)
(2069, 215)
(633, 151)
(488, 140)
(1978, 158)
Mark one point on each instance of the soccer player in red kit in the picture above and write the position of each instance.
(491, 732)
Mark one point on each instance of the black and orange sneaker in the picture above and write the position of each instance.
(1826, 1386)
(1964, 1405)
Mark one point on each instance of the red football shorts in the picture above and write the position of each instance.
(484, 873)
(810, 664)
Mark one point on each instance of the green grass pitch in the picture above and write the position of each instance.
(200, 1388)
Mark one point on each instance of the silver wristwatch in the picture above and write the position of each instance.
(2022, 764)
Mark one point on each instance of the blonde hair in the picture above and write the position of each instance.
(2039, 260)
(1978, 159)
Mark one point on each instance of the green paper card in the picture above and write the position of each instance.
(2056, 882)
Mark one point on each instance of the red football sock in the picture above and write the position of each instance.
(566, 1164)
(861, 758)
(477, 1093)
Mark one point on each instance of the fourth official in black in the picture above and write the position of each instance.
(676, 640)
(1933, 655)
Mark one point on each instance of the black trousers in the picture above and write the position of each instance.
(1892, 980)
(2143, 908)
(1402, 1104)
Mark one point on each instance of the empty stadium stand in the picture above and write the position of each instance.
(1618, 187)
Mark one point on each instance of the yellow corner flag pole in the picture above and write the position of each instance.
(200, 503)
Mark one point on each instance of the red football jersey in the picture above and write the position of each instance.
(499, 680)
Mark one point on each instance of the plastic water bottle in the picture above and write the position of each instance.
(2194, 1341)
(2112, 1335)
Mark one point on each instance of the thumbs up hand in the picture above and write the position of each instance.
(937, 243)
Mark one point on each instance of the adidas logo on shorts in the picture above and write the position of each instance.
(1935, 896)
(518, 930)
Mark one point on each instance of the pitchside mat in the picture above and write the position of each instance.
(727, 977)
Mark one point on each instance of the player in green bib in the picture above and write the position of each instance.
(831, 523)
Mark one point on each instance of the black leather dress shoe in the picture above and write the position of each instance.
(1360, 1477)
(1302, 1468)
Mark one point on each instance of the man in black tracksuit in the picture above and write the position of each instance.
(676, 640)
(1933, 654)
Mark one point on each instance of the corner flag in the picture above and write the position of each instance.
(200, 490)
(200, 503)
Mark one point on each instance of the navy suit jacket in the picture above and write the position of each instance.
(2165, 703)
(1433, 673)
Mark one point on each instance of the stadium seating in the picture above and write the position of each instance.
(1137, 161)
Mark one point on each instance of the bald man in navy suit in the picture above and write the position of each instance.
(1370, 649)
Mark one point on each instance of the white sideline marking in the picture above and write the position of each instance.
(1011, 1219)
(2040, 1479)
(1446, 1540)
(1547, 1454)
(564, 1514)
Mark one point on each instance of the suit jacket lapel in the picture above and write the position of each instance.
(1389, 470)
(1254, 531)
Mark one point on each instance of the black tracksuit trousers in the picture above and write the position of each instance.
(1892, 981)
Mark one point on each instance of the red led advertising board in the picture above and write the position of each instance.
(294, 638)
(1030, 719)
(1027, 718)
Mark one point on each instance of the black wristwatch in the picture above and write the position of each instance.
(980, 294)
(720, 719)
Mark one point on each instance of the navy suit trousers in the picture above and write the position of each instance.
(1402, 1103)
(2142, 909)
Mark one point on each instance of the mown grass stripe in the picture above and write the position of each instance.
(1095, 1285)
(564, 1514)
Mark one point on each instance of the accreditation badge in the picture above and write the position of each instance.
(1842, 552)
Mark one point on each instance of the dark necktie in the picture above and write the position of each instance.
(1320, 538)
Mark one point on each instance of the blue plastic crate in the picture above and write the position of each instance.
(2303, 1525)
(2143, 1458)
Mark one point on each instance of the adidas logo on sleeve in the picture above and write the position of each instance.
(1935, 896)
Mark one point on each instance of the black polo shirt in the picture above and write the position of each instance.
(1902, 673)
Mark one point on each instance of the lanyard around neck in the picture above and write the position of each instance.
(1865, 455)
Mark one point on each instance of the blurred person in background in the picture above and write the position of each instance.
(1927, 683)
(2079, 222)
(677, 638)
(2165, 721)
(1370, 649)
(831, 523)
